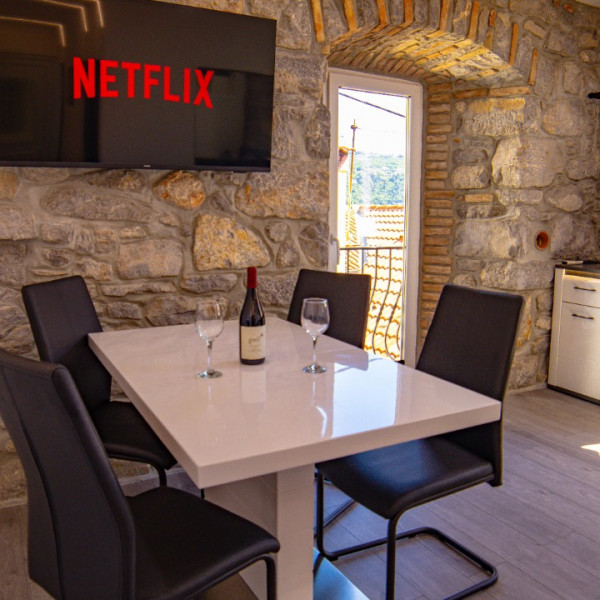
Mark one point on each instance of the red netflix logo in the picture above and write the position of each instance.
(151, 77)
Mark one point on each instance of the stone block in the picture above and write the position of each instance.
(59, 233)
(277, 290)
(44, 175)
(572, 237)
(222, 243)
(489, 239)
(465, 279)
(150, 258)
(525, 162)
(584, 167)
(210, 283)
(277, 231)
(171, 310)
(125, 180)
(561, 43)
(523, 373)
(181, 189)
(15, 334)
(124, 310)
(294, 27)
(299, 75)
(93, 269)
(317, 135)
(12, 264)
(8, 184)
(287, 255)
(16, 223)
(572, 78)
(290, 191)
(516, 197)
(563, 117)
(494, 117)
(56, 257)
(511, 275)
(98, 204)
(470, 155)
(314, 243)
(481, 211)
(466, 177)
(567, 198)
(125, 289)
(544, 301)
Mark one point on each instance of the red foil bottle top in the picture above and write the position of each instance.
(251, 278)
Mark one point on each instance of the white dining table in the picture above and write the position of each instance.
(251, 437)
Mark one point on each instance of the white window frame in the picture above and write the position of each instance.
(339, 78)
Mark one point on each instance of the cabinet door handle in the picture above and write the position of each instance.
(582, 317)
(582, 289)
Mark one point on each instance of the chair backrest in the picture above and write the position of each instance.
(348, 295)
(81, 533)
(61, 314)
(470, 342)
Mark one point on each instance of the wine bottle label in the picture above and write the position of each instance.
(253, 342)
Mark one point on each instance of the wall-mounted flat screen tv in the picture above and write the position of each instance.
(134, 84)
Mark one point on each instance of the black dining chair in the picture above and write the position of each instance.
(61, 314)
(470, 342)
(348, 296)
(87, 541)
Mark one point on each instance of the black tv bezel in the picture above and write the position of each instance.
(218, 166)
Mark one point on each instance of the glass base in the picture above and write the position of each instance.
(314, 368)
(209, 374)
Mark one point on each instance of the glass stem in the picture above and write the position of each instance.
(314, 349)
(209, 346)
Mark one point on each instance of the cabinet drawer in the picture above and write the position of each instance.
(581, 290)
(578, 353)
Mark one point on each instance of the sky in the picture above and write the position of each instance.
(379, 131)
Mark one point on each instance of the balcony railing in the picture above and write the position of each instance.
(385, 264)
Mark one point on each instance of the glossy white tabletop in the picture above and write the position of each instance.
(267, 418)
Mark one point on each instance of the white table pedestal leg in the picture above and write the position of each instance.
(283, 504)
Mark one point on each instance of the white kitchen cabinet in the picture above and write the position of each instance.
(575, 343)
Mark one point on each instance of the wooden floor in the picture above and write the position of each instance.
(541, 528)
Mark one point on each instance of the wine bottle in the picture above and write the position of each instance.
(252, 325)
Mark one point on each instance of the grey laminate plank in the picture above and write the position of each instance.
(541, 528)
(514, 513)
(580, 550)
(516, 584)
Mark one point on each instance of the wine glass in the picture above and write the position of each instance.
(315, 320)
(209, 325)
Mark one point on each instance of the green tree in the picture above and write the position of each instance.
(378, 179)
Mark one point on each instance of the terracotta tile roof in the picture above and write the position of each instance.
(383, 225)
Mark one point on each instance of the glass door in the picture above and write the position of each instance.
(375, 200)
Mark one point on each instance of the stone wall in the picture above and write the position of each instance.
(511, 139)
(149, 242)
(510, 149)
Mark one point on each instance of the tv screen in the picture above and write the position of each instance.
(134, 84)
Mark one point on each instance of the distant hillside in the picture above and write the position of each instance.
(378, 179)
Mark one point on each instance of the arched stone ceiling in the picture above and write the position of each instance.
(466, 41)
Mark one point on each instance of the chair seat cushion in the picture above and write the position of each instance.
(184, 542)
(126, 435)
(390, 480)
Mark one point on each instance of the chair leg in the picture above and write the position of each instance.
(390, 569)
(271, 578)
(162, 475)
(390, 542)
